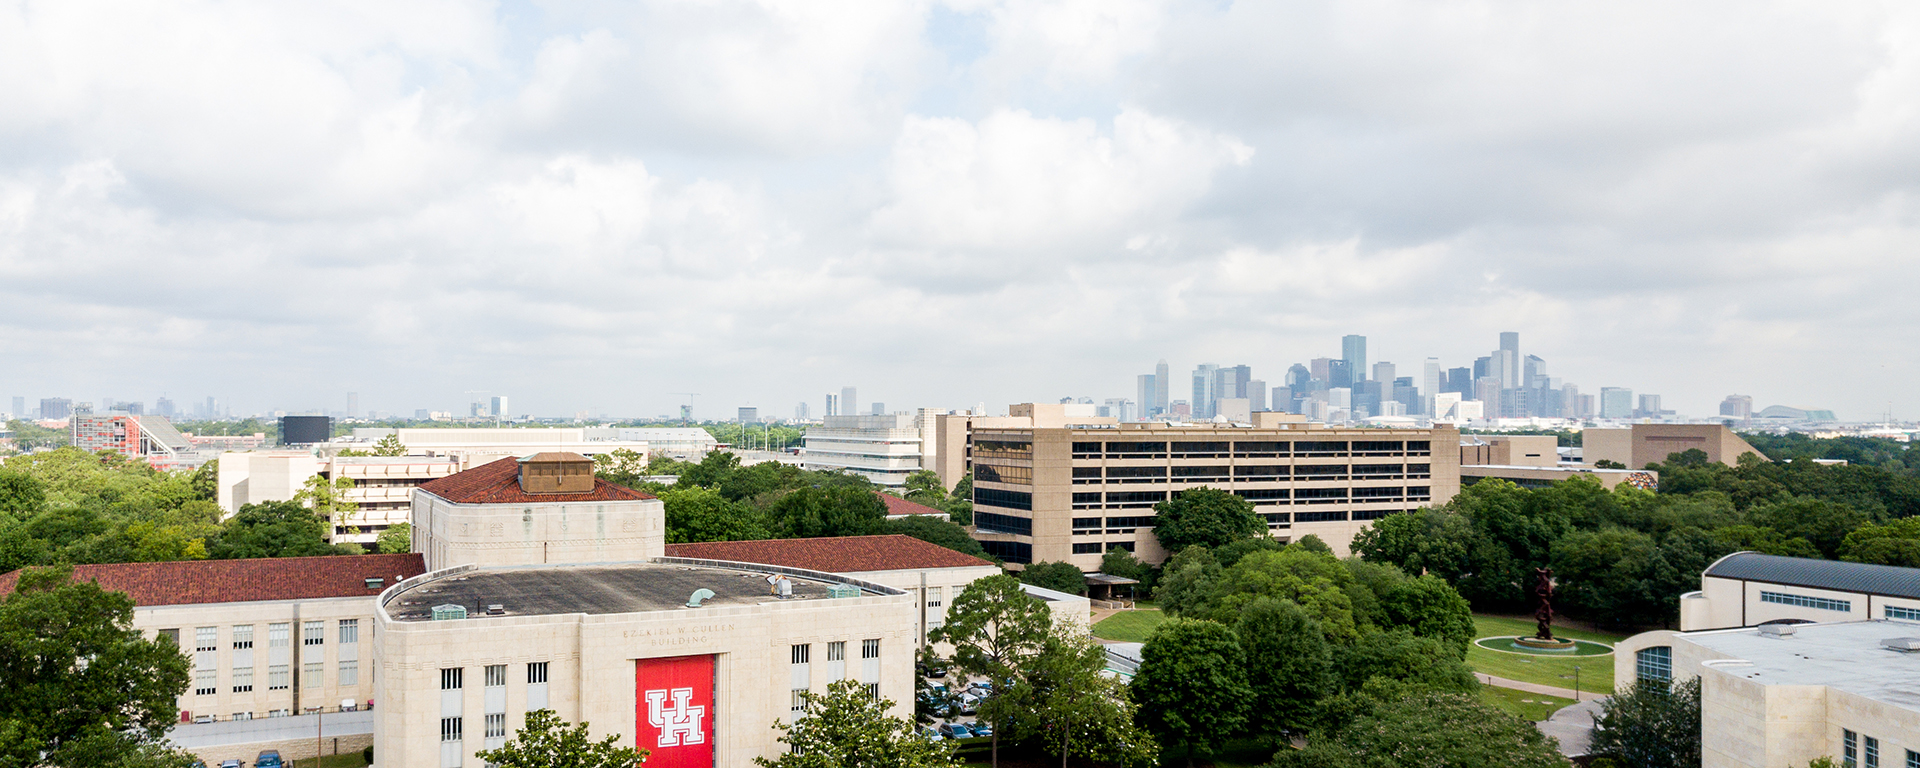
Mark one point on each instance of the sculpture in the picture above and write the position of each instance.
(1543, 593)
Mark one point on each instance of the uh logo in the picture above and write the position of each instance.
(678, 724)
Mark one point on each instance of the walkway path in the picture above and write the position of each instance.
(1549, 690)
(1573, 727)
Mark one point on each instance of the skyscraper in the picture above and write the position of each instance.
(833, 405)
(800, 411)
(1203, 390)
(20, 407)
(1146, 393)
(1430, 385)
(1297, 377)
(1649, 406)
(1162, 380)
(1383, 372)
(1508, 361)
(849, 402)
(1256, 395)
(1353, 349)
(1616, 403)
(1231, 382)
(499, 406)
(1735, 406)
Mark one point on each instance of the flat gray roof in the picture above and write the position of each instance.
(1845, 656)
(591, 589)
(1887, 580)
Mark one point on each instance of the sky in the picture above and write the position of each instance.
(594, 206)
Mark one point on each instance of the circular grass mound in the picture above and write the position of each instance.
(1506, 644)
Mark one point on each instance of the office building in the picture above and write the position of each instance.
(1147, 390)
(20, 407)
(1256, 394)
(1052, 484)
(1231, 382)
(800, 411)
(849, 402)
(1120, 408)
(1616, 403)
(1203, 396)
(1383, 372)
(879, 409)
(1641, 444)
(1353, 351)
(883, 449)
(1162, 380)
(1798, 659)
(1734, 407)
(149, 438)
(52, 408)
(833, 406)
(1649, 407)
(749, 415)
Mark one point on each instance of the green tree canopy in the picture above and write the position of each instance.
(272, 529)
(390, 446)
(397, 539)
(21, 496)
(1289, 666)
(1057, 576)
(696, 513)
(850, 728)
(81, 683)
(1191, 686)
(1064, 699)
(846, 510)
(995, 629)
(1896, 543)
(1431, 730)
(1399, 656)
(546, 741)
(1209, 517)
(1652, 725)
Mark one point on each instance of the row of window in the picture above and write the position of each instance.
(1145, 499)
(206, 644)
(993, 523)
(1245, 472)
(1095, 547)
(801, 657)
(1247, 448)
(494, 720)
(1805, 601)
(1095, 526)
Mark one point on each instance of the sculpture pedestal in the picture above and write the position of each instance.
(1555, 644)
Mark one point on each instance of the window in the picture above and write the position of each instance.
(242, 637)
(1376, 446)
(242, 679)
(1320, 471)
(497, 725)
(1419, 447)
(449, 728)
(1849, 748)
(1259, 448)
(1277, 518)
(1135, 450)
(797, 702)
(311, 675)
(277, 677)
(537, 673)
(870, 649)
(1262, 494)
(837, 650)
(172, 634)
(241, 716)
(1086, 523)
(349, 631)
(1123, 524)
(1136, 474)
(1377, 469)
(277, 635)
(313, 633)
(349, 672)
(1913, 759)
(452, 679)
(1009, 551)
(1203, 449)
(1205, 471)
(1254, 471)
(998, 474)
(1872, 752)
(1377, 493)
(802, 654)
(1002, 449)
(1085, 448)
(279, 713)
(988, 521)
(1805, 601)
(1113, 545)
(1908, 614)
(1654, 664)
(1007, 499)
(204, 682)
(1320, 448)
(206, 638)
(496, 675)
(1321, 495)
(1086, 500)
(1084, 475)
(1086, 548)
(1136, 498)
(936, 597)
(1318, 517)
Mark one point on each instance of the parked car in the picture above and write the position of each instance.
(956, 731)
(931, 734)
(969, 704)
(981, 729)
(233, 764)
(268, 759)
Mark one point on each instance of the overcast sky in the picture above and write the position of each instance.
(592, 206)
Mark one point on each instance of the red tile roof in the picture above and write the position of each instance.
(900, 506)
(498, 482)
(194, 582)
(840, 554)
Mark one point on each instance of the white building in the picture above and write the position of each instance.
(382, 485)
(884, 449)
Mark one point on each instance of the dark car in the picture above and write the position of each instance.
(268, 759)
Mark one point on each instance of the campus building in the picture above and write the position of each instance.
(1798, 659)
(1533, 461)
(1641, 444)
(149, 438)
(883, 449)
(1053, 485)
(382, 489)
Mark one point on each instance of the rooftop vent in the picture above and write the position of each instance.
(556, 472)
(694, 600)
(449, 612)
(1777, 630)
(496, 609)
(375, 582)
(1901, 644)
(843, 590)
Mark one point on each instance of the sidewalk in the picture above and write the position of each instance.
(1565, 693)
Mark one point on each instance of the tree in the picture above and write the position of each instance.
(933, 530)
(624, 466)
(924, 487)
(1431, 608)
(21, 495)
(1206, 516)
(850, 728)
(1653, 725)
(995, 628)
(960, 500)
(1191, 686)
(1121, 563)
(546, 741)
(397, 539)
(82, 684)
(328, 498)
(390, 446)
(206, 480)
(1312, 580)
(1431, 730)
(1186, 582)
(1065, 700)
(1896, 543)
(695, 513)
(272, 529)
(1609, 464)
(1289, 666)
(848, 510)
(1823, 523)
(1059, 577)
(1399, 656)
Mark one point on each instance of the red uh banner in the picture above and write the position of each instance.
(675, 717)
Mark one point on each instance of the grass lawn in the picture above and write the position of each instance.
(1596, 672)
(1129, 626)
(1527, 706)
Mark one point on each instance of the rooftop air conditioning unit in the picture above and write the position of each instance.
(1902, 644)
(1777, 630)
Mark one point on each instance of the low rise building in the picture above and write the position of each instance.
(382, 485)
(883, 449)
(1747, 589)
(1637, 446)
(1057, 488)
(149, 438)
